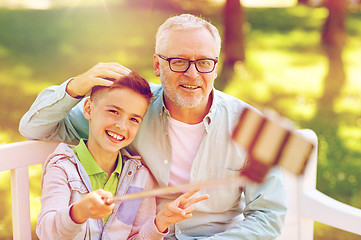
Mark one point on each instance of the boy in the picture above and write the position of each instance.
(74, 204)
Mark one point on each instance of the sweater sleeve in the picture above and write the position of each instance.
(54, 220)
(55, 115)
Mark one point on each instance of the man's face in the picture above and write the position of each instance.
(189, 89)
(114, 118)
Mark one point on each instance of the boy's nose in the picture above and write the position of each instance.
(120, 124)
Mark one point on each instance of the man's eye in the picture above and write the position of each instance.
(204, 62)
(179, 61)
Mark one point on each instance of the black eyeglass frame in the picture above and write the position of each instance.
(189, 63)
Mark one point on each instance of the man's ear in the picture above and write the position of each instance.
(215, 72)
(87, 108)
(156, 65)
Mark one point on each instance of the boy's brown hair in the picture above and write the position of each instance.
(131, 81)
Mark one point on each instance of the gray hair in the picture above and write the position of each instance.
(184, 22)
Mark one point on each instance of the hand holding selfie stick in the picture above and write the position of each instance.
(268, 141)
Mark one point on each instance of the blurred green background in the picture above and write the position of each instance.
(284, 70)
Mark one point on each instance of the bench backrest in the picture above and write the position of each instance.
(17, 157)
(306, 204)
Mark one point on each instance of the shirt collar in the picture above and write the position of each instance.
(164, 110)
(88, 162)
(208, 119)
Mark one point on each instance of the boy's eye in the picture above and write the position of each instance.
(113, 112)
(134, 120)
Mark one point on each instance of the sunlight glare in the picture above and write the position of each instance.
(262, 3)
(81, 3)
(30, 4)
(269, 3)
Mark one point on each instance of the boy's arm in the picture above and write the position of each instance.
(149, 225)
(54, 220)
(178, 210)
(92, 206)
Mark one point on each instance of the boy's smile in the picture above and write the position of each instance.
(114, 118)
(115, 136)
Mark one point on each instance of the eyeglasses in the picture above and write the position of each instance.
(204, 65)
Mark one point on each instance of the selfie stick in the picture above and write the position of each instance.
(268, 142)
(238, 181)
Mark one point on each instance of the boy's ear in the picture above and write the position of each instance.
(87, 108)
(156, 65)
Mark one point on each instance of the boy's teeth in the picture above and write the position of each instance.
(116, 136)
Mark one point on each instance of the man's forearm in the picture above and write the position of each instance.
(264, 212)
(47, 117)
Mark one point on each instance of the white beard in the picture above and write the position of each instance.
(182, 101)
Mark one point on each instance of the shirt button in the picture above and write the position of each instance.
(130, 173)
(165, 162)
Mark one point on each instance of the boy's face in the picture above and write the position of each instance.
(114, 118)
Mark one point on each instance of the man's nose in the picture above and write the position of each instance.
(192, 71)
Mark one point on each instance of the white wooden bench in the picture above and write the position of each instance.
(17, 157)
(305, 203)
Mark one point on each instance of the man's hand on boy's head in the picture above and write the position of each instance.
(178, 210)
(92, 206)
(101, 74)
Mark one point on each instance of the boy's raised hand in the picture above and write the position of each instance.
(92, 206)
(178, 210)
(102, 74)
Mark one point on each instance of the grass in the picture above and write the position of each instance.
(284, 70)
